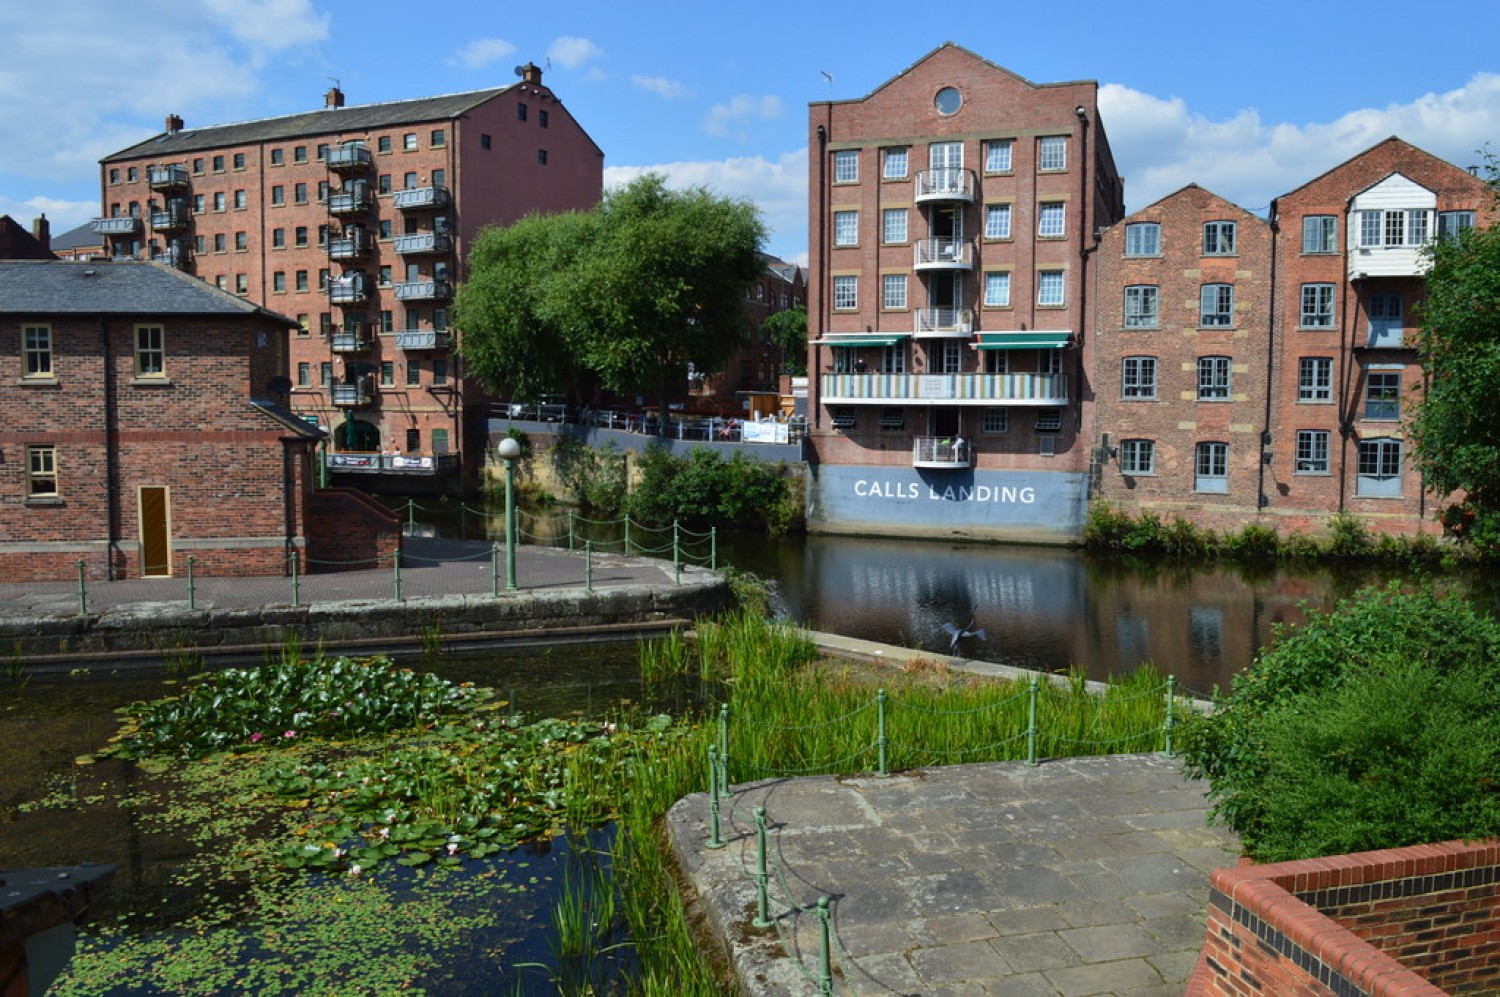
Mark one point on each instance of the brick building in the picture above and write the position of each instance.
(952, 216)
(142, 422)
(756, 366)
(16, 243)
(357, 221)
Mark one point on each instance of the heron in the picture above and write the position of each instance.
(959, 633)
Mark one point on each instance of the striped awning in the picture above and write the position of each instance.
(1037, 339)
(884, 339)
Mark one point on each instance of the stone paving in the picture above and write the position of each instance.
(1084, 876)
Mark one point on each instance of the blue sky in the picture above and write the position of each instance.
(1249, 98)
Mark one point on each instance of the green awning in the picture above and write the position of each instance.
(890, 340)
(1024, 340)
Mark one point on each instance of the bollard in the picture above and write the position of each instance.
(83, 589)
(588, 566)
(495, 569)
(396, 562)
(1171, 694)
(825, 957)
(1031, 721)
(880, 739)
(724, 749)
(192, 594)
(296, 582)
(714, 841)
(762, 902)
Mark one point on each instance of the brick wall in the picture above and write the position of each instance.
(349, 531)
(1416, 922)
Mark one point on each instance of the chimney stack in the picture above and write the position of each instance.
(333, 98)
(174, 124)
(41, 231)
(531, 73)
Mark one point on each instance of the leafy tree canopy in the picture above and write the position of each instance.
(788, 330)
(629, 293)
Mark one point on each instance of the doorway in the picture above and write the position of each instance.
(156, 536)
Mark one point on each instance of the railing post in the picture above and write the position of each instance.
(880, 740)
(83, 589)
(762, 903)
(714, 841)
(396, 563)
(495, 569)
(463, 521)
(1171, 694)
(1031, 720)
(296, 581)
(724, 749)
(713, 548)
(676, 556)
(570, 529)
(588, 566)
(411, 516)
(825, 957)
(192, 594)
(627, 534)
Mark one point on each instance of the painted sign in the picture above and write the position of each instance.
(1032, 505)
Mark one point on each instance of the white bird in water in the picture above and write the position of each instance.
(959, 633)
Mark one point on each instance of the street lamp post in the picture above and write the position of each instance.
(509, 450)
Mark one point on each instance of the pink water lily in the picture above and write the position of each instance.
(289, 734)
(255, 737)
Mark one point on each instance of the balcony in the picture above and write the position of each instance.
(1042, 390)
(424, 290)
(423, 242)
(942, 254)
(175, 255)
(350, 246)
(378, 463)
(944, 322)
(352, 395)
(422, 198)
(167, 177)
(424, 339)
(945, 185)
(175, 218)
(349, 202)
(349, 289)
(941, 452)
(120, 225)
(349, 341)
(349, 159)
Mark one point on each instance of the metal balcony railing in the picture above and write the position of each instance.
(423, 339)
(977, 389)
(424, 242)
(948, 184)
(118, 225)
(942, 319)
(941, 451)
(424, 290)
(167, 177)
(942, 254)
(417, 198)
(348, 157)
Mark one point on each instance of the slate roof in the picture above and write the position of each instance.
(356, 118)
(65, 287)
(73, 238)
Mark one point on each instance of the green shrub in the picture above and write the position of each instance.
(1353, 719)
(595, 479)
(1106, 527)
(1347, 536)
(1254, 541)
(703, 490)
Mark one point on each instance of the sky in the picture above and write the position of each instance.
(1249, 98)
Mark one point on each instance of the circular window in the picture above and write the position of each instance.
(948, 100)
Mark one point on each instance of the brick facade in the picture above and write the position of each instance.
(757, 364)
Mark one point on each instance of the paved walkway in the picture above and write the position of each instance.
(1084, 876)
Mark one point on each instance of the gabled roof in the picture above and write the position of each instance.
(74, 238)
(1393, 139)
(957, 48)
(65, 287)
(355, 118)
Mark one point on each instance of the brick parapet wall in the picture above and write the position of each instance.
(1416, 922)
(349, 531)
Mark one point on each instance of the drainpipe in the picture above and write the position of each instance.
(111, 454)
(815, 377)
(1263, 500)
(1346, 405)
(1083, 257)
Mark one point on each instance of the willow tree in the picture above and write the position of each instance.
(631, 293)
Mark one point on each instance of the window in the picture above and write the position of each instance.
(1320, 234)
(1052, 153)
(1049, 361)
(304, 374)
(409, 180)
(1218, 238)
(440, 178)
(893, 290)
(997, 155)
(997, 361)
(325, 323)
(1211, 468)
(385, 276)
(409, 142)
(325, 373)
(1312, 451)
(1393, 228)
(1450, 223)
(383, 229)
(241, 241)
(383, 144)
(1216, 305)
(893, 225)
(241, 283)
(1142, 306)
(892, 418)
(278, 282)
(299, 235)
(150, 351)
(199, 204)
(846, 166)
(842, 416)
(997, 290)
(1137, 456)
(299, 154)
(322, 235)
(1049, 288)
(278, 195)
(950, 359)
(520, 112)
(846, 228)
(114, 175)
(239, 160)
(895, 164)
(440, 319)
(1138, 377)
(1213, 379)
(200, 244)
(413, 373)
(322, 191)
(278, 157)
(41, 471)
(387, 373)
(997, 221)
(846, 293)
(299, 193)
(301, 280)
(485, 142)
(541, 118)
(1048, 420)
(893, 359)
(383, 183)
(541, 157)
(994, 421)
(198, 165)
(1386, 327)
(1382, 395)
(218, 164)
(1317, 306)
(221, 243)
(1143, 239)
(387, 323)
(1052, 220)
(1315, 379)
(131, 174)
(219, 201)
(413, 318)
(322, 278)
(36, 344)
(1379, 469)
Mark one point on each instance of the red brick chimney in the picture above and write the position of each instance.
(174, 124)
(531, 73)
(333, 98)
(41, 231)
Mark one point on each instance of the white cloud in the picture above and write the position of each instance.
(61, 215)
(570, 52)
(726, 120)
(661, 86)
(1160, 145)
(778, 187)
(271, 25)
(481, 52)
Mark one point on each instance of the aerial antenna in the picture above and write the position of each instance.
(520, 70)
(829, 77)
(335, 80)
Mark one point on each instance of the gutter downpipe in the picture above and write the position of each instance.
(1346, 414)
(111, 455)
(1263, 501)
(825, 282)
(1083, 259)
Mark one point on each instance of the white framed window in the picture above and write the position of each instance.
(1049, 361)
(1379, 469)
(1383, 395)
(846, 228)
(1052, 152)
(150, 351)
(1317, 306)
(997, 155)
(1386, 325)
(1394, 227)
(893, 290)
(893, 359)
(994, 421)
(1052, 220)
(951, 357)
(1315, 379)
(997, 221)
(1142, 306)
(1048, 420)
(36, 347)
(893, 225)
(996, 361)
(1218, 238)
(1211, 468)
(1320, 234)
(219, 201)
(1050, 288)
(1138, 377)
(239, 200)
(896, 163)
(846, 166)
(1143, 239)
(1137, 456)
(997, 290)
(1312, 451)
(1450, 223)
(1216, 305)
(1213, 379)
(845, 292)
(41, 471)
(846, 360)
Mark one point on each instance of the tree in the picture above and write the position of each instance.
(788, 330)
(1456, 424)
(630, 293)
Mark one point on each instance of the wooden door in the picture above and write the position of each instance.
(156, 547)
